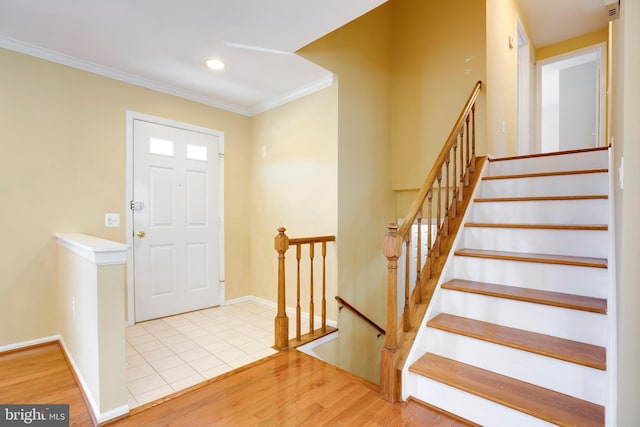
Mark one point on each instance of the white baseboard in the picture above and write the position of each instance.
(30, 343)
(291, 311)
(83, 384)
(100, 417)
(113, 413)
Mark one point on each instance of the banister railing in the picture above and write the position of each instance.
(360, 315)
(281, 333)
(455, 165)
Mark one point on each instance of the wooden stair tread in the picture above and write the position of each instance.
(549, 154)
(556, 299)
(546, 345)
(548, 405)
(540, 198)
(544, 174)
(530, 257)
(582, 227)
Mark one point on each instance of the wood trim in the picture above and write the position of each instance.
(541, 199)
(545, 174)
(551, 406)
(536, 296)
(309, 337)
(586, 227)
(546, 345)
(305, 240)
(555, 153)
(530, 257)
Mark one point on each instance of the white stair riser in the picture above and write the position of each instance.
(559, 185)
(577, 212)
(567, 279)
(564, 377)
(469, 406)
(578, 161)
(582, 243)
(576, 325)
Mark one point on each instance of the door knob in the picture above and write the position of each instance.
(141, 234)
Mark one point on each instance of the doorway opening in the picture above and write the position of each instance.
(571, 109)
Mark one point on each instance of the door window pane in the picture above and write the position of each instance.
(196, 152)
(161, 146)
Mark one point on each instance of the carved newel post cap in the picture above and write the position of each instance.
(281, 241)
(390, 246)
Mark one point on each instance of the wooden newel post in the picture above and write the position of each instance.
(281, 243)
(389, 379)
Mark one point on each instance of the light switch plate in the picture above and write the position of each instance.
(112, 220)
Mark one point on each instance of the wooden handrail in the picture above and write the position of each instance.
(281, 333)
(362, 316)
(456, 163)
(440, 160)
(306, 240)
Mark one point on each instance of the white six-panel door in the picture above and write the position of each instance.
(175, 220)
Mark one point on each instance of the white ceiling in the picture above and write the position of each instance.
(163, 44)
(551, 21)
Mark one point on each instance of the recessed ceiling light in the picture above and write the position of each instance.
(215, 64)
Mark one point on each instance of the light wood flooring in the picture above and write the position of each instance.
(287, 389)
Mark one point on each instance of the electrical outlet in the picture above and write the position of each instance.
(112, 220)
(73, 306)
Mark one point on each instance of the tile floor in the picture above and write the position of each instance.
(170, 354)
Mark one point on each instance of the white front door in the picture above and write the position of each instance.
(176, 235)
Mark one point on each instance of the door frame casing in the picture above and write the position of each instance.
(601, 49)
(131, 116)
(524, 93)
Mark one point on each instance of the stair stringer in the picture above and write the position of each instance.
(434, 307)
(612, 308)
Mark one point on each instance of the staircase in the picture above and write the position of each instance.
(517, 332)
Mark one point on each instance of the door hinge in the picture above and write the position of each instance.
(136, 206)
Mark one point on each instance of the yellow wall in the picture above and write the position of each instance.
(436, 60)
(63, 145)
(570, 45)
(502, 82)
(625, 131)
(359, 53)
(294, 183)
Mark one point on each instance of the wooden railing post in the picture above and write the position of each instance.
(281, 243)
(324, 287)
(389, 386)
(418, 287)
(473, 138)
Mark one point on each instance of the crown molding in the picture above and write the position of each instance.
(112, 73)
(322, 83)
